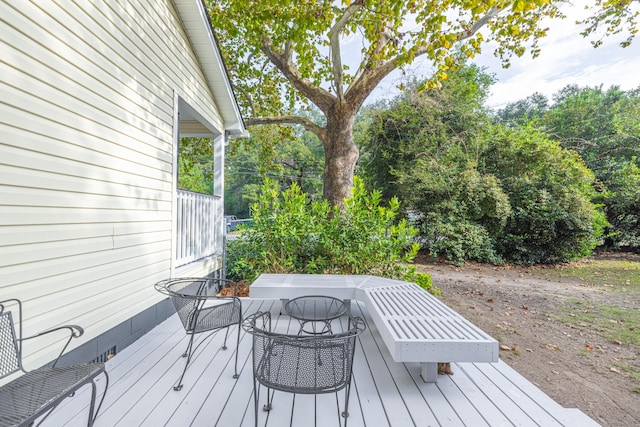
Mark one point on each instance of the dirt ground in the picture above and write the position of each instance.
(521, 308)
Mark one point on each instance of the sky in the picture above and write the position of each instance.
(566, 58)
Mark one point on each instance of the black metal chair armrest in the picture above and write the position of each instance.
(75, 332)
(250, 323)
(235, 288)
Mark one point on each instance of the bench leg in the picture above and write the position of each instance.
(429, 372)
(284, 302)
(347, 304)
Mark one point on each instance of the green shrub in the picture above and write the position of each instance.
(292, 234)
(458, 239)
(423, 280)
(622, 205)
(487, 192)
(550, 190)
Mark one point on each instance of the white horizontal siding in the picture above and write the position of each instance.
(200, 269)
(59, 198)
(60, 250)
(35, 152)
(86, 157)
(18, 235)
(46, 277)
(59, 61)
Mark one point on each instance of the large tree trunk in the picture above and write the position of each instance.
(341, 155)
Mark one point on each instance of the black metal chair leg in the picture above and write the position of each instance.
(189, 346)
(226, 333)
(106, 386)
(236, 375)
(267, 407)
(345, 413)
(256, 398)
(92, 405)
(188, 355)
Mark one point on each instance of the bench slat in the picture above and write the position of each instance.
(424, 314)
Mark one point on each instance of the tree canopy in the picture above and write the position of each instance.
(282, 157)
(282, 54)
(195, 165)
(615, 17)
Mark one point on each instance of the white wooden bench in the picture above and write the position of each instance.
(414, 325)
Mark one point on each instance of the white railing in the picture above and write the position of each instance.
(198, 226)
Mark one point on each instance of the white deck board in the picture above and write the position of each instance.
(398, 390)
(384, 393)
(520, 412)
(475, 397)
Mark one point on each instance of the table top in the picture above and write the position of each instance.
(315, 308)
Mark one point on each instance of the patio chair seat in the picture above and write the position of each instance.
(36, 391)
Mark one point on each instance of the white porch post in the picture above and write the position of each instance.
(219, 143)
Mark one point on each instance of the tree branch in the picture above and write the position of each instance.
(247, 96)
(334, 44)
(289, 46)
(322, 98)
(367, 81)
(491, 13)
(380, 44)
(371, 77)
(290, 120)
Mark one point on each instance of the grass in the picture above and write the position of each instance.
(585, 353)
(631, 371)
(617, 324)
(619, 274)
(613, 321)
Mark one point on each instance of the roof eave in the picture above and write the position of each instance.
(198, 27)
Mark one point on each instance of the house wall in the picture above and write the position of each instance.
(87, 159)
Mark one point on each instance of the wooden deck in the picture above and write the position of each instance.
(384, 393)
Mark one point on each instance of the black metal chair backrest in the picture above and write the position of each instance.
(301, 364)
(10, 349)
(201, 310)
(187, 296)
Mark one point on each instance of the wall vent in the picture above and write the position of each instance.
(105, 356)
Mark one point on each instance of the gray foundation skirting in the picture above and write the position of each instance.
(114, 340)
(101, 348)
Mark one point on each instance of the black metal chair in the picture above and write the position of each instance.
(200, 310)
(37, 392)
(300, 363)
